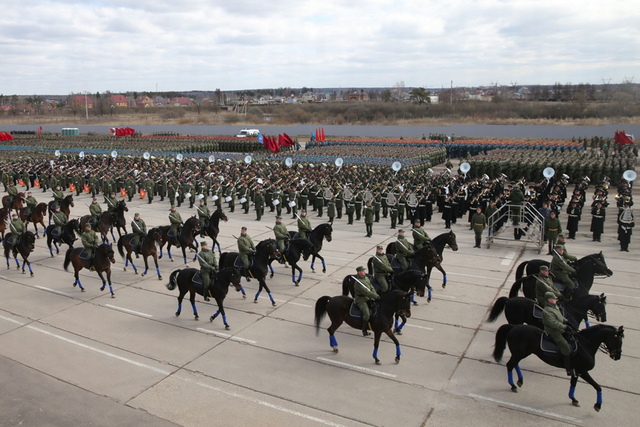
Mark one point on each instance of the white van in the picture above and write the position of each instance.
(247, 132)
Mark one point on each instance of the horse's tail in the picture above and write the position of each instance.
(345, 285)
(515, 288)
(67, 258)
(501, 342)
(173, 280)
(321, 311)
(497, 309)
(121, 246)
(520, 270)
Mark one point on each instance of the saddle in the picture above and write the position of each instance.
(549, 346)
(237, 263)
(83, 255)
(396, 266)
(173, 237)
(355, 312)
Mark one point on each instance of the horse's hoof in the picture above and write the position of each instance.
(244, 296)
(196, 317)
(273, 303)
(57, 252)
(82, 290)
(397, 332)
(171, 259)
(397, 359)
(113, 295)
(514, 389)
(271, 276)
(429, 299)
(444, 285)
(324, 270)
(575, 402)
(211, 319)
(377, 361)
(136, 271)
(141, 275)
(255, 301)
(520, 382)
(597, 407)
(159, 256)
(415, 303)
(227, 327)
(23, 272)
(31, 274)
(51, 255)
(177, 313)
(124, 269)
(297, 283)
(159, 277)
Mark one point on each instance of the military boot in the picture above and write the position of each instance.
(568, 366)
(365, 329)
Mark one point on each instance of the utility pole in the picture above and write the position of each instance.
(86, 104)
(451, 94)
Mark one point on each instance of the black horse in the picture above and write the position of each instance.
(104, 257)
(293, 251)
(533, 266)
(259, 264)
(119, 220)
(211, 228)
(148, 248)
(423, 258)
(523, 310)
(68, 235)
(321, 232)
(338, 308)
(186, 238)
(586, 269)
(24, 246)
(65, 206)
(218, 289)
(524, 340)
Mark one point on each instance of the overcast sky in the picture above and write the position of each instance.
(64, 46)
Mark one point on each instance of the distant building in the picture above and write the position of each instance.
(356, 96)
(119, 101)
(82, 100)
(181, 102)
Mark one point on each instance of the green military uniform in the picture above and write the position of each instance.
(552, 228)
(566, 255)
(544, 284)
(479, 223)
(403, 251)
(149, 187)
(176, 221)
(258, 201)
(208, 265)
(304, 226)
(280, 230)
(95, 210)
(17, 229)
(130, 188)
(58, 197)
(90, 242)
(203, 217)
(31, 205)
(13, 193)
(363, 292)
(139, 229)
(245, 248)
(516, 198)
(111, 202)
(60, 220)
(171, 193)
(368, 219)
(561, 270)
(420, 237)
(555, 325)
(382, 268)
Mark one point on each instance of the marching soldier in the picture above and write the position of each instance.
(368, 219)
(574, 212)
(171, 193)
(358, 202)
(244, 195)
(282, 235)
(130, 187)
(149, 187)
(139, 229)
(258, 202)
(304, 225)
(363, 292)
(381, 268)
(246, 248)
(552, 228)
(555, 325)
(393, 215)
(208, 265)
(626, 222)
(90, 242)
(350, 210)
(479, 223)
(420, 236)
(96, 211)
(598, 215)
(403, 250)
(544, 284)
(203, 217)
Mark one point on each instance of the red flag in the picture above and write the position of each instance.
(323, 135)
(72, 188)
(142, 194)
(2, 136)
(274, 145)
(21, 182)
(123, 192)
(39, 131)
(288, 139)
(624, 139)
(617, 137)
(317, 135)
(87, 189)
(281, 141)
(266, 142)
(36, 183)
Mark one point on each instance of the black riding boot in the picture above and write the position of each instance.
(205, 295)
(365, 329)
(568, 367)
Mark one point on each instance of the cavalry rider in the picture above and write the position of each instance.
(555, 325)
(60, 220)
(17, 229)
(403, 250)
(31, 205)
(176, 221)
(203, 217)
(304, 225)
(111, 202)
(58, 196)
(139, 229)
(544, 284)
(552, 228)
(246, 248)
(479, 223)
(364, 292)
(208, 265)
(13, 193)
(381, 268)
(96, 211)
(561, 269)
(90, 243)
(565, 255)
(282, 235)
(420, 236)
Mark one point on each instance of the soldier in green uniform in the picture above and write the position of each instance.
(479, 223)
(368, 218)
(555, 325)
(31, 205)
(175, 220)
(350, 210)
(560, 269)
(171, 193)
(544, 284)
(304, 225)
(246, 248)
(400, 206)
(403, 250)
(565, 254)
(93, 185)
(420, 236)
(130, 187)
(280, 230)
(58, 196)
(552, 228)
(363, 292)
(393, 215)
(95, 210)
(60, 220)
(381, 268)
(17, 228)
(162, 188)
(90, 242)
(516, 197)
(203, 217)
(258, 201)
(12, 191)
(139, 229)
(208, 265)
(149, 187)
(491, 209)
(111, 202)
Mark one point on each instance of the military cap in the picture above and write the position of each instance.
(204, 243)
(400, 231)
(544, 268)
(136, 214)
(360, 268)
(14, 214)
(550, 295)
(244, 228)
(379, 247)
(95, 199)
(558, 247)
(87, 225)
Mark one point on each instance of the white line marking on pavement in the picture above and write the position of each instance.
(231, 337)
(97, 350)
(525, 408)
(420, 327)
(8, 319)
(301, 305)
(127, 310)
(261, 402)
(508, 258)
(356, 367)
(624, 296)
(53, 290)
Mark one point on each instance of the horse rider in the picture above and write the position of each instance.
(403, 250)
(420, 236)
(60, 220)
(246, 248)
(96, 211)
(176, 221)
(208, 265)
(90, 242)
(363, 292)
(479, 223)
(139, 229)
(58, 196)
(17, 229)
(552, 228)
(560, 269)
(544, 284)
(282, 235)
(381, 268)
(565, 254)
(304, 225)
(111, 202)
(31, 205)
(13, 193)
(203, 217)
(556, 325)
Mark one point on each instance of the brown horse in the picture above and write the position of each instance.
(186, 238)
(4, 215)
(36, 217)
(17, 202)
(102, 261)
(103, 226)
(65, 206)
(149, 248)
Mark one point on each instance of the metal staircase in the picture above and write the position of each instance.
(531, 225)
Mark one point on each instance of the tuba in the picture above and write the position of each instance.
(348, 195)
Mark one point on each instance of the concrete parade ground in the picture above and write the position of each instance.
(83, 358)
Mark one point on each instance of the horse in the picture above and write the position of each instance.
(292, 252)
(4, 216)
(118, 220)
(258, 264)
(586, 269)
(104, 225)
(149, 241)
(520, 310)
(211, 227)
(321, 232)
(104, 257)
(36, 217)
(423, 258)
(185, 239)
(25, 245)
(338, 308)
(65, 206)
(524, 340)
(16, 205)
(533, 266)
(218, 290)
(68, 235)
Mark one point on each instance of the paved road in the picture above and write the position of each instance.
(68, 357)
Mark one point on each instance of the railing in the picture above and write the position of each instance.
(530, 225)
